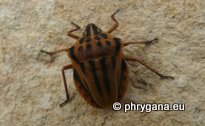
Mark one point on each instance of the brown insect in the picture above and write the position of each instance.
(100, 71)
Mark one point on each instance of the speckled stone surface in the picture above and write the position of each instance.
(31, 86)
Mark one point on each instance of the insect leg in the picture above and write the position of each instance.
(116, 22)
(141, 42)
(69, 66)
(70, 32)
(54, 52)
(153, 70)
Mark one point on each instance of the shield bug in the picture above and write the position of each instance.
(100, 71)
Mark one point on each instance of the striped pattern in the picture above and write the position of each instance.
(83, 90)
(102, 82)
(101, 66)
(81, 84)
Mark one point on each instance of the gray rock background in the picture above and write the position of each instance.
(31, 86)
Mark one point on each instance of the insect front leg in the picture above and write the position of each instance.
(148, 42)
(116, 22)
(70, 32)
(54, 52)
(66, 67)
(153, 70)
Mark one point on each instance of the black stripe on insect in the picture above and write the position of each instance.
(105, 74)
(95, 76)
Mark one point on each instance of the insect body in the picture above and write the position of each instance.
(100, 69)
(99, 66)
